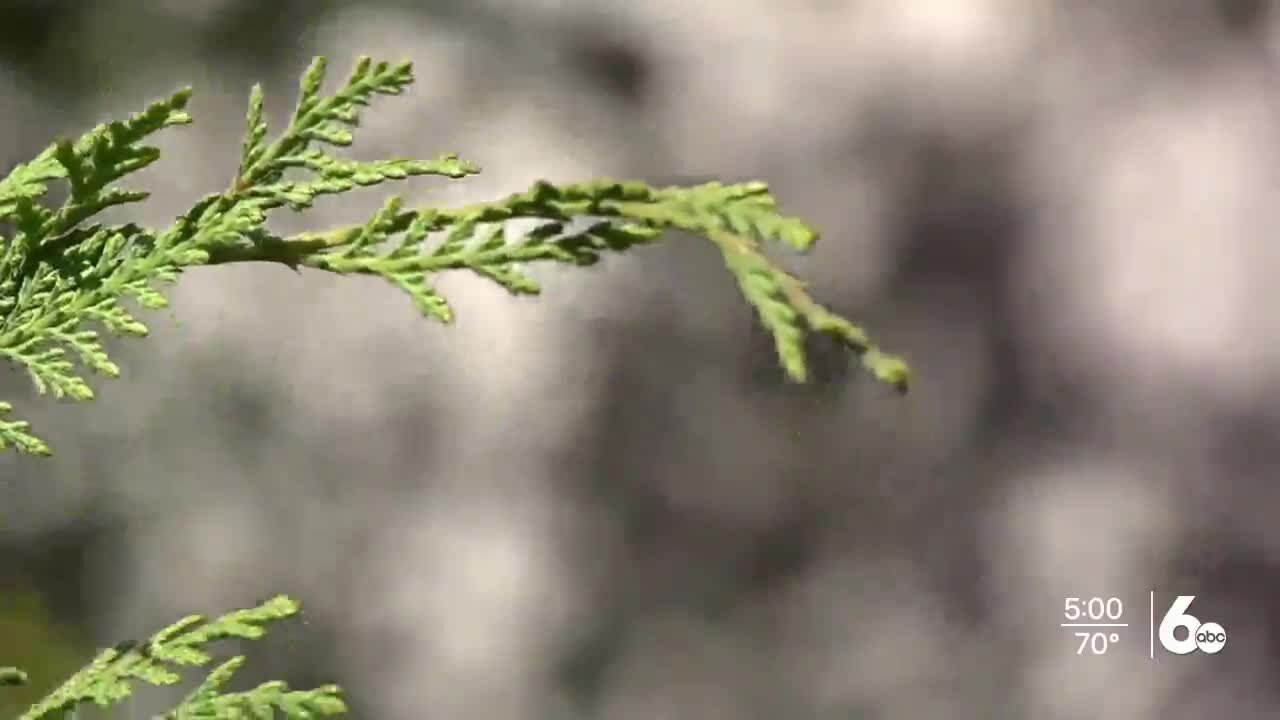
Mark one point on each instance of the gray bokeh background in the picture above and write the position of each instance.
(605, 503)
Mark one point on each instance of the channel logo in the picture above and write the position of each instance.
(1206, 637)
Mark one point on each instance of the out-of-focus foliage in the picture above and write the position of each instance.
(49, 652)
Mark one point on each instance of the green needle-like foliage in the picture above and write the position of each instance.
(64, 279)
(109, 679)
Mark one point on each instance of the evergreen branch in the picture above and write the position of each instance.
(16, 433)
(261, 702)
(736, 218)
(58, 274)
(109, 678)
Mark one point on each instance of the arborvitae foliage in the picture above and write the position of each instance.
(64, 279)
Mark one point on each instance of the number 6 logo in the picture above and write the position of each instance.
(1177, 617)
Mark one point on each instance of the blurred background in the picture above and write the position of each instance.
(606, 503)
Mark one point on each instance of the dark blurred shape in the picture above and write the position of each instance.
(1244, 16)
(55, 564)
(28, 29)
(264, 32)
(125, 646)
(610, 63)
